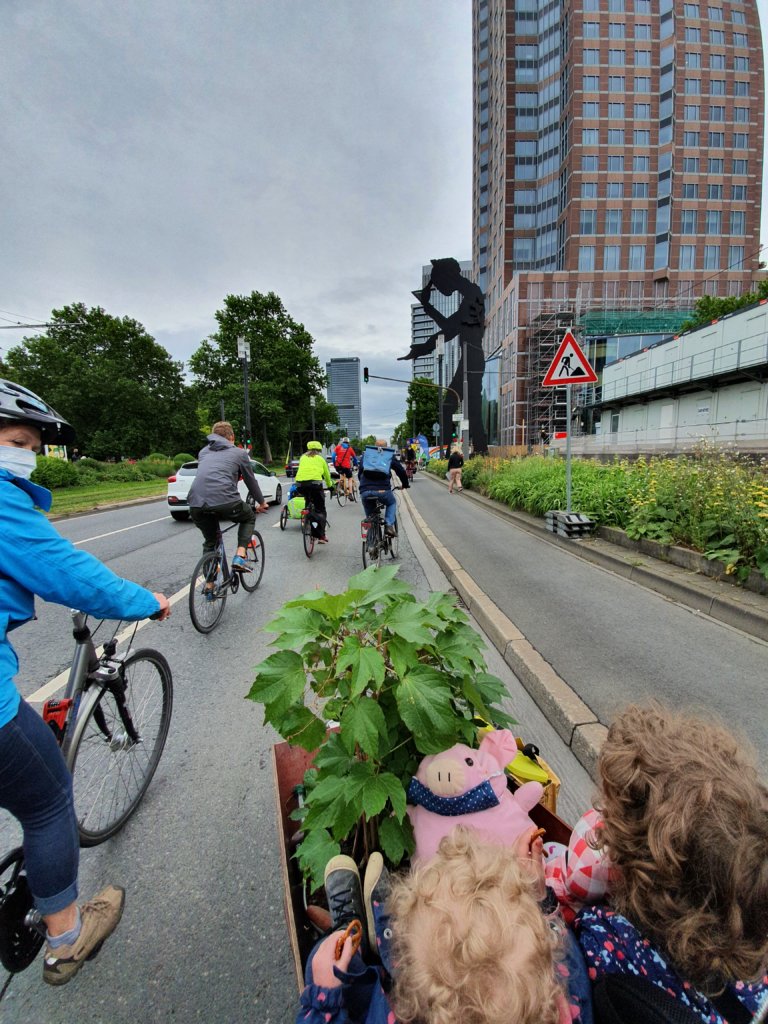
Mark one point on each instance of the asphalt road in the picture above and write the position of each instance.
(613, 641)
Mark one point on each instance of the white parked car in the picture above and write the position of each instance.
(181, 481)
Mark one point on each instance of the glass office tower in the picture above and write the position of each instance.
(344, 393)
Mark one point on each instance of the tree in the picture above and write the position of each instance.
(421, 410)
(120, 389)
(283, 372)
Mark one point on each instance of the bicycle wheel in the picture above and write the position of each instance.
(115, 751)
(283, 516)
(372, 545)
(255, 557)
(341, 494)
(207, 593)
(394, 542)
(306, 533)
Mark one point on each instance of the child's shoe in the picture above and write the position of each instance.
(345, 894)
(376, 889)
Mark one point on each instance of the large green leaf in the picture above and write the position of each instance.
(301, 728)
(411, 621)
(404, 656)
(395, 793)
(313, 853)
(362, 723)
(333, 757)
(396, 839)
(425, 705)
(297, 627)
(280, 679)
(376, 584)
(366, 662)
(334, 606)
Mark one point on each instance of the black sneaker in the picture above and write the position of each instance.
(376, 889)
(345, 894)
(390, 531)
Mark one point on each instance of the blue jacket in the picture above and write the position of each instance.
(36, 559)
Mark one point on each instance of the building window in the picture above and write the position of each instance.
(738, 18)
(662, 219)
(614, 190)
(616, 30)
(591, 83)
(741, 115)
(613, 222)
(691, 10)
(716, 113)
(739, 39)
(691, 112)
(616, 83)
(615, 136)
(615, 163)
(714, 191)
(616, 111)
(690, 138)
(639, 222)
(715, 165)
(693, 35)
(641, 163)
(692, 87)
(591, 29)
(739, 167)
(642, 85)
(642, 6)
(642, 31)
(712, 222)
(616, 58)
(739, 193)
(717, 87)
(641, 137)
(591, 56)
(741, 88)
(589, 137)
(616, 6)
(590, 110)
(690, 165)
(589, 190)
(661, 255)
(738, 222)
(687, 257)
(586, 257)
(740, 140)
(711, 257)
(642, 111)
(693, 60)
(715, 13)
(690, 190)
(717, 61)
(717, 139)
(688, 222)
(587, 222)
(591, 5)
(639, 189)
(741, 63)
(637, 257)
(611, 257)
(589, 163)
(716, 37)
(735, 256)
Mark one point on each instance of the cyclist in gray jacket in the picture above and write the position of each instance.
(214, 494)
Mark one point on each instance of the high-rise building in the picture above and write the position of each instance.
(344, 393)
(618, 152)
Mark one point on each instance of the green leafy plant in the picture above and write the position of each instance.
(400, 677)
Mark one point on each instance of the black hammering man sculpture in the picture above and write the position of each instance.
(468, 322)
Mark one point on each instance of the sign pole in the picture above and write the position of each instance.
(568, 450)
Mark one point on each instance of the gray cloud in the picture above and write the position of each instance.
(161, 156)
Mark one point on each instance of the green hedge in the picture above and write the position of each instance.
(54, 473)
(181, 458)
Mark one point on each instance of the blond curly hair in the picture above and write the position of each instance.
(470, 942)
(686, 823)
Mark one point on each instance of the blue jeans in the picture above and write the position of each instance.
(369, 504)
(36, 787)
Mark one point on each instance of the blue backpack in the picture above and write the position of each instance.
(378, 460)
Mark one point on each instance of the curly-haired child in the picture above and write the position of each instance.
(685, 828)
(470, 944)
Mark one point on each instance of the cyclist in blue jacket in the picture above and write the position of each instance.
(35, 784)
(375, 481)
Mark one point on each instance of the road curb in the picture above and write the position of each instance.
(572, 719)
(105, 508)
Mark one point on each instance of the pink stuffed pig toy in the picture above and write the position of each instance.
(468, 787)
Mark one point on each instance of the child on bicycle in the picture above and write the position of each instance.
(35, 784)
(463, 939)
(312, 477)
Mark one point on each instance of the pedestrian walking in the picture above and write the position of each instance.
(455, 465)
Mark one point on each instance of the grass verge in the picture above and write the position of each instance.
(67, 500)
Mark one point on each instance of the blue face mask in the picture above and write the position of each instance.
(479, 798)
(20, 461)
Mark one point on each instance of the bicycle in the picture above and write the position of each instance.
(111, 725)
(376, 542)
(341, 492)
(306, 524)
(212, 580)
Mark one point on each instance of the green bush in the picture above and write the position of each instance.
(181, 458)
(50, 472)
(157, 457)
(154, 467)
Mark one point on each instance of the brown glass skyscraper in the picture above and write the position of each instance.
(618, 158)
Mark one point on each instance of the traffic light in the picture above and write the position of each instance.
(365, 374)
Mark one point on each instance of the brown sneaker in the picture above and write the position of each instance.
(99, 917)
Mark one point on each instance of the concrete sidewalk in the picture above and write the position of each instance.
(580, 720)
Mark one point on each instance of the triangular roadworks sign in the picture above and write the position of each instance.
(570, 366)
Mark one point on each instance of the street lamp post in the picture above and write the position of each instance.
(244, 353)
(312, 403)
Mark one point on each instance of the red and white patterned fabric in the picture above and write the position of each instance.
(578, 874)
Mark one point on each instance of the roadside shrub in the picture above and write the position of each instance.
(50, 472)
(156, 457)
(154, 467)
(181, 458)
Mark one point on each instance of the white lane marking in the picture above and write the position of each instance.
(113, 532)
(59, 681)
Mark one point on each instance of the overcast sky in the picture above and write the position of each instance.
(161, 154)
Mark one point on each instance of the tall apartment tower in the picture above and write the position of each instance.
(344, 393)
(618, 155)
(423, 327)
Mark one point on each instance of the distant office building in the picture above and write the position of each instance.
(618, 155)
(344, 393)
(423, 327)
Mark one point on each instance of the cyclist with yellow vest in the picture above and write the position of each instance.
(312, 477)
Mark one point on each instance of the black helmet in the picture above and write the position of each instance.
(17, 403)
